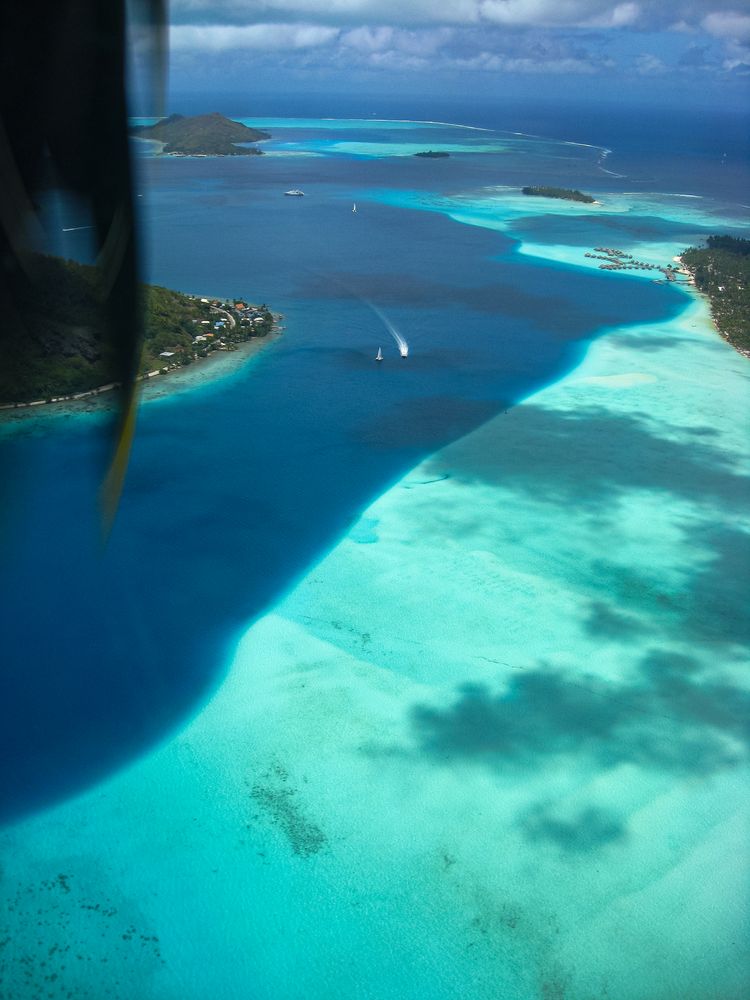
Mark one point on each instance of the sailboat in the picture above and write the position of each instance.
(354, 207)
(379, 355)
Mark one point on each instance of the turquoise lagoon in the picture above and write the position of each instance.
(470, 711)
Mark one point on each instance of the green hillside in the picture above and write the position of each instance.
(202, 135)
(53, 343)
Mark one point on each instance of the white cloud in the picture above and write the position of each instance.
(728, 24)
(737, 59)
(649, 65)
(733, 29)
(553, 66)
(510, 36)
(681, 27)
(620, 16)
(367, 39)
(339, 12)
(397, 61)
(418, 43)
(741, 65)
(221, 37)
(560, 13)
(719, 17)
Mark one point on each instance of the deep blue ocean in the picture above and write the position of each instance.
(237, 487)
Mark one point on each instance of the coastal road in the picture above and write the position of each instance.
(229, 316)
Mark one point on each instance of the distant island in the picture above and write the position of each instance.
(432, 154)
(554, 192)
(202, 135)
(721, 270)
(52, 344)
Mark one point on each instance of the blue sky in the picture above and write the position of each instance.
(594, 49)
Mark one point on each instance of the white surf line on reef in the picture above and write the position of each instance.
(586, 145)
(410, 121)
(605, 153)
(368, 121)
(670, 194)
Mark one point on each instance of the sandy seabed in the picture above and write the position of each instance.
(491, 746)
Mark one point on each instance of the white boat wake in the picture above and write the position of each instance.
(402, 345)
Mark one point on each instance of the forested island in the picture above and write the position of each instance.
(555, 192)
(432, 154)
(722, 271)
(202, 135)
(52, 343)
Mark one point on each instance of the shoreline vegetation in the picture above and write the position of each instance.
(53, 349)
(721, 271)
(201, 135)
(567, 194)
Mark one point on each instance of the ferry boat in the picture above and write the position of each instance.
(295, 193)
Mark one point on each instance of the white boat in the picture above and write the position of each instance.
(354, 207)
(379, 355)
(295, 193)
(403, 348)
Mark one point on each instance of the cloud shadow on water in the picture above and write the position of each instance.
(590, 456)
(719, 588)
(654, 342)
(709, 607)
(607, 621)
(589, 461)
(590, 829)
(671, 719)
